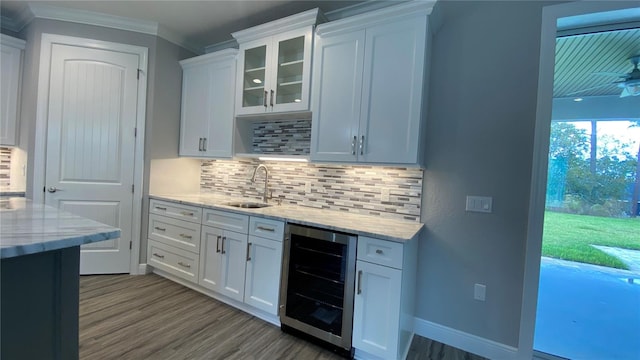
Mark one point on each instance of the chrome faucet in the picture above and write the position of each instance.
(266, 179)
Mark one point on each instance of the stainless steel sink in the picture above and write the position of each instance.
(248, 204)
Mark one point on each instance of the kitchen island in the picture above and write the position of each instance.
(40, 262)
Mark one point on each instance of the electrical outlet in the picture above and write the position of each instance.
(384, 194)
(225, 179)
(479, 292)
(307, 187)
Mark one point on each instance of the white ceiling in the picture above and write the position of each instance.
(200, 23)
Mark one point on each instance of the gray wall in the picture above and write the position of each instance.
(480, 130)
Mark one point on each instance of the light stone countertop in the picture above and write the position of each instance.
(363, 225)
(28, 228)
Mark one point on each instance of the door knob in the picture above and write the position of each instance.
(53, 189)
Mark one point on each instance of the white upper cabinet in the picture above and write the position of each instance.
(274, 65)
(368, 79)
(10, 81)
(208, 84)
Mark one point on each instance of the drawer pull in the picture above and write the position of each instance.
(158, 255)
(379, 252)
(161, 208)
(218, 243)
(248, 250)
(184, 236)
(160, 229)
(266, 229)
(359, 282)
(184, 265)
(222, 249)
(186, 213)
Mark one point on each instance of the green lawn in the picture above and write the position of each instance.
(568, 237)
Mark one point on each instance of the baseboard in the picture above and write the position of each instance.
(464, 341)
(143, 269)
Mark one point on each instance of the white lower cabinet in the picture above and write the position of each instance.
(384, 299)
(231, 254)
(262, 285)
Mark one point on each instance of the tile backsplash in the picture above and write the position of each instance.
(389, 192)
(5, 167)
(292, 137)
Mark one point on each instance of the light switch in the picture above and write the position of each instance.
(479, 204)
(479, 292)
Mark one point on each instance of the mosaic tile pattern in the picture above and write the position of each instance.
(291, 137)
(5, 167)
(355, 189)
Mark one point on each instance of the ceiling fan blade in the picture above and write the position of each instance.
(625, 92)
(605, 73)
(587, 89)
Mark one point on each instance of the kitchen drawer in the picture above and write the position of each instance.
(382, 252)
(176, 211)
(175, 261)
(179, 233)
(226, 220)
(266, 228)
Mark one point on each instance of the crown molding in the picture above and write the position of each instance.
(360, 8)
(12, 41)
(19, 22)
(306, 18)
(226, 54)
(179, 40)
(228, 44)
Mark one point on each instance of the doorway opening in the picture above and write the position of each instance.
(589, 284)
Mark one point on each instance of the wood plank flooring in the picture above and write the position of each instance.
(149, 317)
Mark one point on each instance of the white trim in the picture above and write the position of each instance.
(93, 18)
(464, 341)
(221, 55)
(40, 147)
(144, 269)
(227, 44)
(356, 9)
(13, 42)
(19, 22)
(276, 27)
(550, 15)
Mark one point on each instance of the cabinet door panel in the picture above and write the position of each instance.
(337, 88)
(392, 91)
(291, 70)
(222, 85)
(376, 310)
(263, 274)
(234, 252)
(253, 77)
(210, 258)
(195, 110)
(10, 77)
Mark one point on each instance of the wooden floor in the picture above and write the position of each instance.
(149, 317)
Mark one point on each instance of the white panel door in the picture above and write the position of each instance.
(262, 285)
(234, 252)
(376, 310)
(91, 145)
(210, 258)
(392, 92)
(337, 89)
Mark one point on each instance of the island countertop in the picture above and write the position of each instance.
(29, 228)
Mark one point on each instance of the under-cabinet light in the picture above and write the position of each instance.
(257, 81)
(578, 99)
(297, 100)
(290, 159)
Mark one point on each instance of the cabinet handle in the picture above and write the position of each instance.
(200, 144)
(160, 229)
(359, 282)
(204, 144)
(265, 98)
(218, 243)
(271, 101)
(161, 208)
(222, 250)
(353, 145)
(184, 265)
(158, 255)
(379, 252)
(184, 236)
(248, 250)
(186, 213)
(266, 229)
(362, 145)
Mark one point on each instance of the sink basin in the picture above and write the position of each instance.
(248, 204)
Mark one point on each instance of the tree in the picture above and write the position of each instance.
(635, 197)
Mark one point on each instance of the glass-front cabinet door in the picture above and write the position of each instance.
(275, 73)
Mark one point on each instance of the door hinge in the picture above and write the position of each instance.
(132, 188)
(130, 245)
